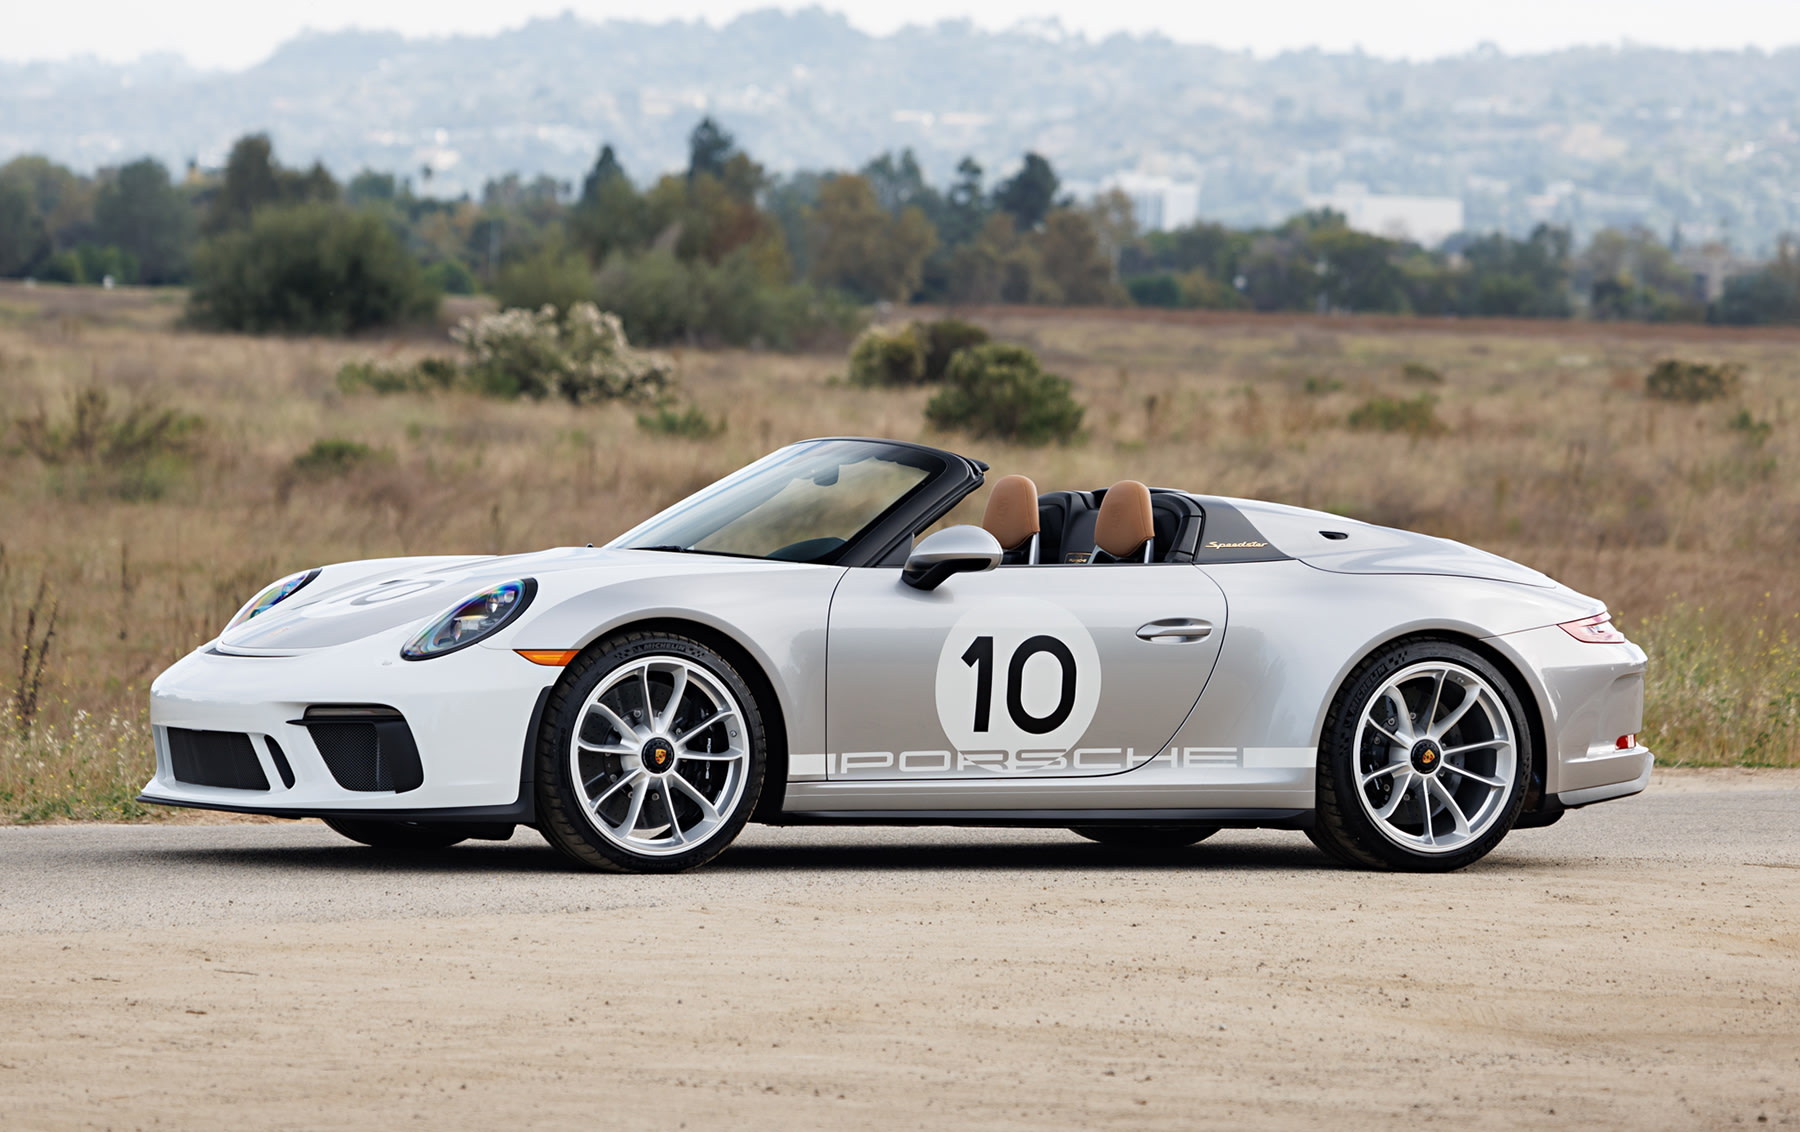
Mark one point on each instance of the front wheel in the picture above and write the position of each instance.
(1424, 760)
(1145, 836)
(651, 755)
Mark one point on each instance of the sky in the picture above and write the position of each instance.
(234, 34)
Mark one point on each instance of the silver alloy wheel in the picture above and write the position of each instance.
(650, 710)
(1435, 757)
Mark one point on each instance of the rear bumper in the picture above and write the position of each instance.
(1588, 696)
(1619, 774)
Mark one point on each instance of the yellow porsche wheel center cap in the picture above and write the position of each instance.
(659, 756)
(1427, 757)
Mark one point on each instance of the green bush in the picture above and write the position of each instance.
(661, 299)
(584, 357)
(98, 262)
(451, 276)
(553, 277)
(942, 338)
(1162, 290)
(919, 353)
(690, 423)
(1693, 382)
(1420, 374)
(1319, 386)
(307, 269)
(63, 267)
(1755, 432)
(1416, 415)
(332, 457)
(884, 357)
(999, 390)
(1760, 298)
(1200, 289)
(734, 302)
(655, 296)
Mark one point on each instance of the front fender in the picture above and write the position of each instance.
(775, 611)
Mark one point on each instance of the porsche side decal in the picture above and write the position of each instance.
(1022, 762)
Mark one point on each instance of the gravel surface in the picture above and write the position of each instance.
(1633, 966)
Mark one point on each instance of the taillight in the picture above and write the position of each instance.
(1625, 742)
(1595, 630)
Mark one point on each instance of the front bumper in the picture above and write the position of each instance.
(470, 714)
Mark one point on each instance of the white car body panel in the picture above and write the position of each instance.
(465, 718)
(1228, 724)
(895, 656)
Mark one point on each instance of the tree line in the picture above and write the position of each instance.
(723, 251)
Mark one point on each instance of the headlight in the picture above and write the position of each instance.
(474, 619)
(274, 595)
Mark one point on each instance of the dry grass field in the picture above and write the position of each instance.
(150, 482)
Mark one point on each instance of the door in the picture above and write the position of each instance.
(1033, 671)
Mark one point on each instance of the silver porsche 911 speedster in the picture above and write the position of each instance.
(796, 643)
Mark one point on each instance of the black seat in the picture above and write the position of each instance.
(1061, 525)
(1066, 520)
(1178, 523)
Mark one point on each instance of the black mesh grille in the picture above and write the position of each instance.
(215, 758)
(369, 756)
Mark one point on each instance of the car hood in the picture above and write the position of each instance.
(1365, 548)
(353, 600)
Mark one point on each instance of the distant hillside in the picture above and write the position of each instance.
(1708, 141)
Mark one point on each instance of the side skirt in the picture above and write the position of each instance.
(1057, 819)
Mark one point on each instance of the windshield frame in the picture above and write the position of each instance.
(916, 509)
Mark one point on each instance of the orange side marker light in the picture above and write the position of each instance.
(550, 658)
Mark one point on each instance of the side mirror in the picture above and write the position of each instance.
(953, 550)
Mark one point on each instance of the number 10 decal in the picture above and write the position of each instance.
(980, 656)
(1017, 674)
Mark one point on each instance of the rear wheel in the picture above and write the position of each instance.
(1424, 760)
(1145, 836)
(396, 834)
(651, 755)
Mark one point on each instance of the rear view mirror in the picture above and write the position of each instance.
(953, 550)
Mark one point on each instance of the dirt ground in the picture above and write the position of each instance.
(1635, 966)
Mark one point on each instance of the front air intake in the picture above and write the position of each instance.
(215, 758)
(366, 747)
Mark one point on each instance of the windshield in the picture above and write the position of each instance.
(798, 504)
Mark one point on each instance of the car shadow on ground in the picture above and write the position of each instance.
(1076, 856)
(526, 854)
(470, 857)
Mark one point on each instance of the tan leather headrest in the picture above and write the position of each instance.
(1012, 512)
(1125, 521)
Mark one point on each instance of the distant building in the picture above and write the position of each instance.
(1712, 265)
(1159, 204)
(1427, 221)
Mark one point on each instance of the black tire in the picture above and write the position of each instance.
(1145, 836)
(563, 818)
(1345, 829)
(379, 834)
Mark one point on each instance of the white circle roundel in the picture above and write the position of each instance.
(1017, 674)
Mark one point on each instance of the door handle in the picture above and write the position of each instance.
(1175, 630)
